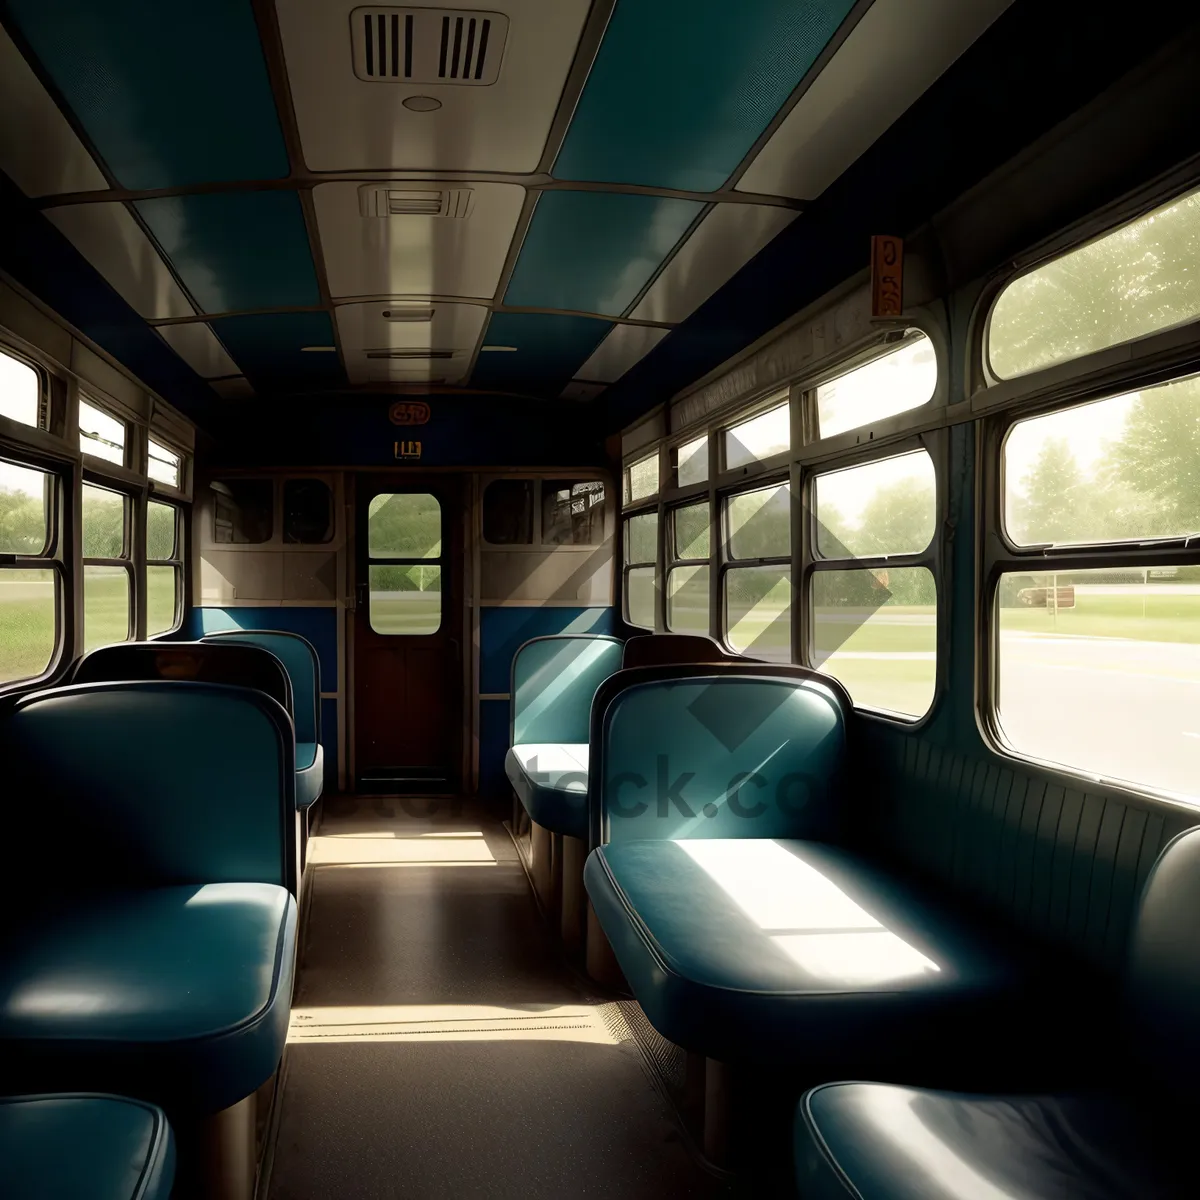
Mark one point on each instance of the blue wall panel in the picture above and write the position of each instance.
(502, 631)
(170, 94)
(595, 251)
(329, 739)
(236, 250)
(493, 746)
(711, 76)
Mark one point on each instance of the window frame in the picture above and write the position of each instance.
(133, 523)
(177, 562)
(95, 461)
(673, 559)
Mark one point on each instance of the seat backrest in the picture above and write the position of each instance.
(553, 682)
(717, 751)
(144, 784)
(201, 662)
(299, 656)
(1163, 968)
(662, 649)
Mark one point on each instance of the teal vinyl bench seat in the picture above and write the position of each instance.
(180, 995)
(84, 1147)
(310, 773)
(1133, 1139)
(550, 780)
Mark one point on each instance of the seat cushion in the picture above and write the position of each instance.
(310, 773)
(551, 781)
(176, 995)
(84, 1147)
(877, 1142)
(760, 949)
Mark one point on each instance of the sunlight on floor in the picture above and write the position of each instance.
(428, 849)
(448, 1023)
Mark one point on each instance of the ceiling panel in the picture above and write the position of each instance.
(417, 255)
(624, 346)
(116, 245)
(728, 237)
(196, 344)
(270, 349)
(232, 389)
(236, 250)
(169, 94)
(897, 50)
(546, 350)
(363, 328)
(347, 123)
(39, 150)
(594, 251)
(690, 85)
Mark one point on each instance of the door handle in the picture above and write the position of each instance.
(361, 598)
(457, 649)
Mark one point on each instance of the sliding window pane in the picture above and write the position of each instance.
(161, 531)
(104, 521)
(405, 600)
(162, 599)
(641, 538)
(687, 599)
(100, 435)
(20, 391)
(691, 462)
(641, 480)
(761, 437)
(105, 606)
(758, 611)
(28, 623)
(887, 507)
(164, 464)
(759, 523)
(691, 531)
(639, 597)
(24, 510)
(895, 382)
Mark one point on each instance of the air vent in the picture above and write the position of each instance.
(408, 316)
(427, 45)
(411, 355)
(376, 201)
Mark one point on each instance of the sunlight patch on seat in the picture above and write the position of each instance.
(448, 1023)
(861, 957)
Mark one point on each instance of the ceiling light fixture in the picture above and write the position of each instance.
(498, 349)
(421, 104)
(318, 349)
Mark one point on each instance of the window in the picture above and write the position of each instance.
(164, 567)
(164, 465)
(641, 479)
(307, 512)
(572, 513)
(758, 581)
(508, 512)
(100, 435)
(243, 511)
(1132, 282)
(107, 605)
(641, 554)
(29, 586)
(875, 628)
(688, 575)
(1098, 670)
(20, 391)
(893, 383)
(691, 462)
(760, 437)
(405, 551)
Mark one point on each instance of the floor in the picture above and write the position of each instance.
(440, 1046)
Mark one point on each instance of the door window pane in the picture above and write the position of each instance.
(641, 538)
(691, 529)
(758, 611)
(639, 597)
(307, 512)
(508, 512)
(103, 523)
(243, 511)
(1119, 469)
(876, 632)
(161, 530)
(20, 391)
(1134, 281)
(405, 600)
(691, 462)
(164, 464)
(885, 507)
(761, 437)
(687, 599)
(24, 510)
(641, 480)
(572, 513)
(100, 435)
(28, 623)
(105, 606)
(1099, 671)
(162, 593)
(404, 525)
(760, 523)
(893, 383)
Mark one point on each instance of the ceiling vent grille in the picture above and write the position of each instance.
(427, 45)
(376, 201)
(411, 355)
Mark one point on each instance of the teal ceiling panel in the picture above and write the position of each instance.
(595, 251)
(169, 94)
(710, 76)
(545, 350)
(236, 250)
(270, 349)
